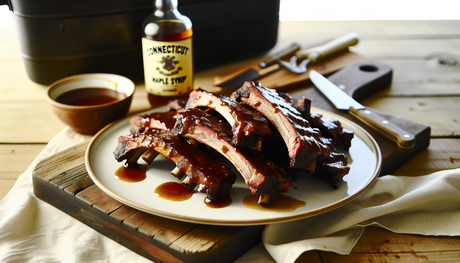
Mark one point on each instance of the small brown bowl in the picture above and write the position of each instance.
(83, 103)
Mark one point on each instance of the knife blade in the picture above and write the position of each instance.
(342, 101)
(262, 69)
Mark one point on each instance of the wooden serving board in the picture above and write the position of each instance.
(62, 181)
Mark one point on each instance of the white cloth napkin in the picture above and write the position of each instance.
(426, 205)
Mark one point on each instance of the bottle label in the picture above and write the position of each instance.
(168, 66)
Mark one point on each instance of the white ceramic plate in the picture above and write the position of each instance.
(364, 159)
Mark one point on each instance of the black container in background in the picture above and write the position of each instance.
(62, 38)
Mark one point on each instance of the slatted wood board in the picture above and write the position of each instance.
(62, 181)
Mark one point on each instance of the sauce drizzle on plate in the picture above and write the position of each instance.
(221, 202)
(173, 191)
(132, 174)
(282, 203)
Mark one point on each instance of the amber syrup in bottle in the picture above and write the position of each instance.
(167, 54)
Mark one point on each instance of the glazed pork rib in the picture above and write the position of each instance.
(201, 167)
(176, 105)
(249, 127)
(332, 169)
(157, 120)
(335, 166)
(303, 142)
(332, 128)
(328, 126)
(259, 173)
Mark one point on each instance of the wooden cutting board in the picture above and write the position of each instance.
(360, 80)
(284, 80)
(62, 181)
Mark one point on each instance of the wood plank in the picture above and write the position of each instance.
(45, 123)
(165, 230)
(15, 159)
(89, 195)
(442, 154)
(382, 48)
(78, 185)
(384, 241)
(380, 245)
(410, 256)
(123, 212)
(16, 85)
(107, 204)
(428, 77)
(440, 113)
(69, 177)
(137, 219)
(96, 198)
(53, 165)
(203, 237)
(202, 241)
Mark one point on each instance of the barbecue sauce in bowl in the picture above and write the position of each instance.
(88, 102)
(90, 96)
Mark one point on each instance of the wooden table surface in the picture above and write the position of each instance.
(425, 56)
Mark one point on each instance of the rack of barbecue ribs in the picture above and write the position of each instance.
(216, 180)
(269, 137)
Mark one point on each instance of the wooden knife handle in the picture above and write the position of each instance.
(337, 45)
(282, 54)
(403, 139)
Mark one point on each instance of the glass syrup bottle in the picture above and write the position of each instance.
(167, 54)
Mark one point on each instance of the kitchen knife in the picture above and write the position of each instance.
(263, 68)
(342, 101)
